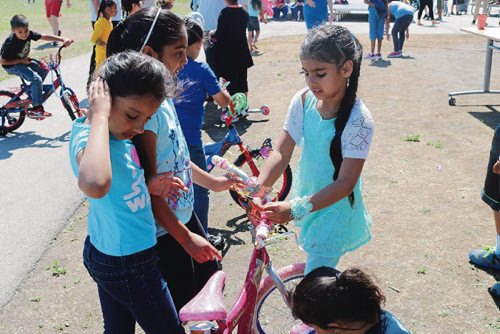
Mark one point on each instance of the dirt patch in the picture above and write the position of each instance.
(421, 186)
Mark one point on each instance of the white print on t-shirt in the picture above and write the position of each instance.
(359, 134)
(138, 198)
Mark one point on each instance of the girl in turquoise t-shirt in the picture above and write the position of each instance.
(119, 252)
(186, 258)
(334, 130)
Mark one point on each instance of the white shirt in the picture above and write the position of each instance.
(356, 137)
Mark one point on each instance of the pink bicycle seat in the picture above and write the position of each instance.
(208, 304)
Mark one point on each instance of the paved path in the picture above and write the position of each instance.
(38, 190)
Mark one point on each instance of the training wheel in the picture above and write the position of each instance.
(265, 110)
(452, 101)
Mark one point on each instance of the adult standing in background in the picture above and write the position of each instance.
(316, 13)
(53, 11)
(94, 6)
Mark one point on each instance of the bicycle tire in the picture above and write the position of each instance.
(13, 122)
(70, 102)
(285, 187)
(282, 319)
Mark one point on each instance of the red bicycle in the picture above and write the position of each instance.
(262, 305)
(16, 103)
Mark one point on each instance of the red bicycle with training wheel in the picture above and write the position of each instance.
(15, 104)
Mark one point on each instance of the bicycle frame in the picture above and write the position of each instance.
(220, 148)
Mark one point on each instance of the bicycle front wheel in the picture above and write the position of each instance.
(71, 104)
(272, 315)
(10, 119)
(282, 185)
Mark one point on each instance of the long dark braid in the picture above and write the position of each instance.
(335, 45)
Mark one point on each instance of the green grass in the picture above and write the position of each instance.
(74, 24)
(412, 138)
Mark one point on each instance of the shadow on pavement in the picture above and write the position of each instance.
(216, 129)
(30, 139)
(490, 118)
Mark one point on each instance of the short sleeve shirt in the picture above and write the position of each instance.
(400, 9)
(358, 132)
(15, 48)
(122, 222)
(172, 155)
(199, 80)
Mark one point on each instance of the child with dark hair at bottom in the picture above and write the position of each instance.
(14, 58)
(328, 301)
(488, 256)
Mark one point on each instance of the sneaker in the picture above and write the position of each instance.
(395, 54)
(434, 22)
(217, 241)
(495, 290)
(378, 56)
(38, 113)
(485, 257)
(370, 56)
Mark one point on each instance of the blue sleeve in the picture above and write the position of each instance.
(78, 141)
(153, 124)
(209, 80)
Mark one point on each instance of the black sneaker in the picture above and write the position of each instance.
(217, 241)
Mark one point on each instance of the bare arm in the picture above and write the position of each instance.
(330, 8)
(222, 98)
(96, 6)
(200, 250)
(52, 38)
(277, 162)
(280, 213)
(94, 176)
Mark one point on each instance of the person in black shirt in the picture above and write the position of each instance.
(232, 56)
(14, 58)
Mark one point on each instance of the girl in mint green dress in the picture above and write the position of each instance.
(334, 130)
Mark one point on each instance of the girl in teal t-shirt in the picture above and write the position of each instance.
(334, 130)
(119, 252)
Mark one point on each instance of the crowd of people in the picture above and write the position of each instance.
(138, 157)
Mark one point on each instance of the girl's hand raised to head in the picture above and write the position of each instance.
(165, 185)
(278, 212)
(99, 100)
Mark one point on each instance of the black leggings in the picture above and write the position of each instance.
(184, 276)
(429, 4)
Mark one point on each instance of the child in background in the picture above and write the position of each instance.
(232, 55)
(132, 6)
(102, 29)
(200, 80)
(378, 14)
(334, 129)
(403, 14)
(15, 60)
(490, 256)
(336, 302)
(119, 251)
(186, 258)
(254, 8)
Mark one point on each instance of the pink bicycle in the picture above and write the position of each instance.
(263, 306)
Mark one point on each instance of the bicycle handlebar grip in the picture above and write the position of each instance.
(222, 163)
(261, 233)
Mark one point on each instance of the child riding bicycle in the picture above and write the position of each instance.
(14, 58)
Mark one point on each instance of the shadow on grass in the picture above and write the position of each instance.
(16, 141)
(490, 118)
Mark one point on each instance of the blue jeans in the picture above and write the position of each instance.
(399, 31)
(201, 195)
(131, 289)
(34, 74)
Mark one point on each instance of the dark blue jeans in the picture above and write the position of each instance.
(131, 289)
(201, 195)
(399, 30)
(35, 75)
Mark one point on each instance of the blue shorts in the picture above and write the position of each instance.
(376, 23)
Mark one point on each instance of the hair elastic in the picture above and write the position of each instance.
(151, 29)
